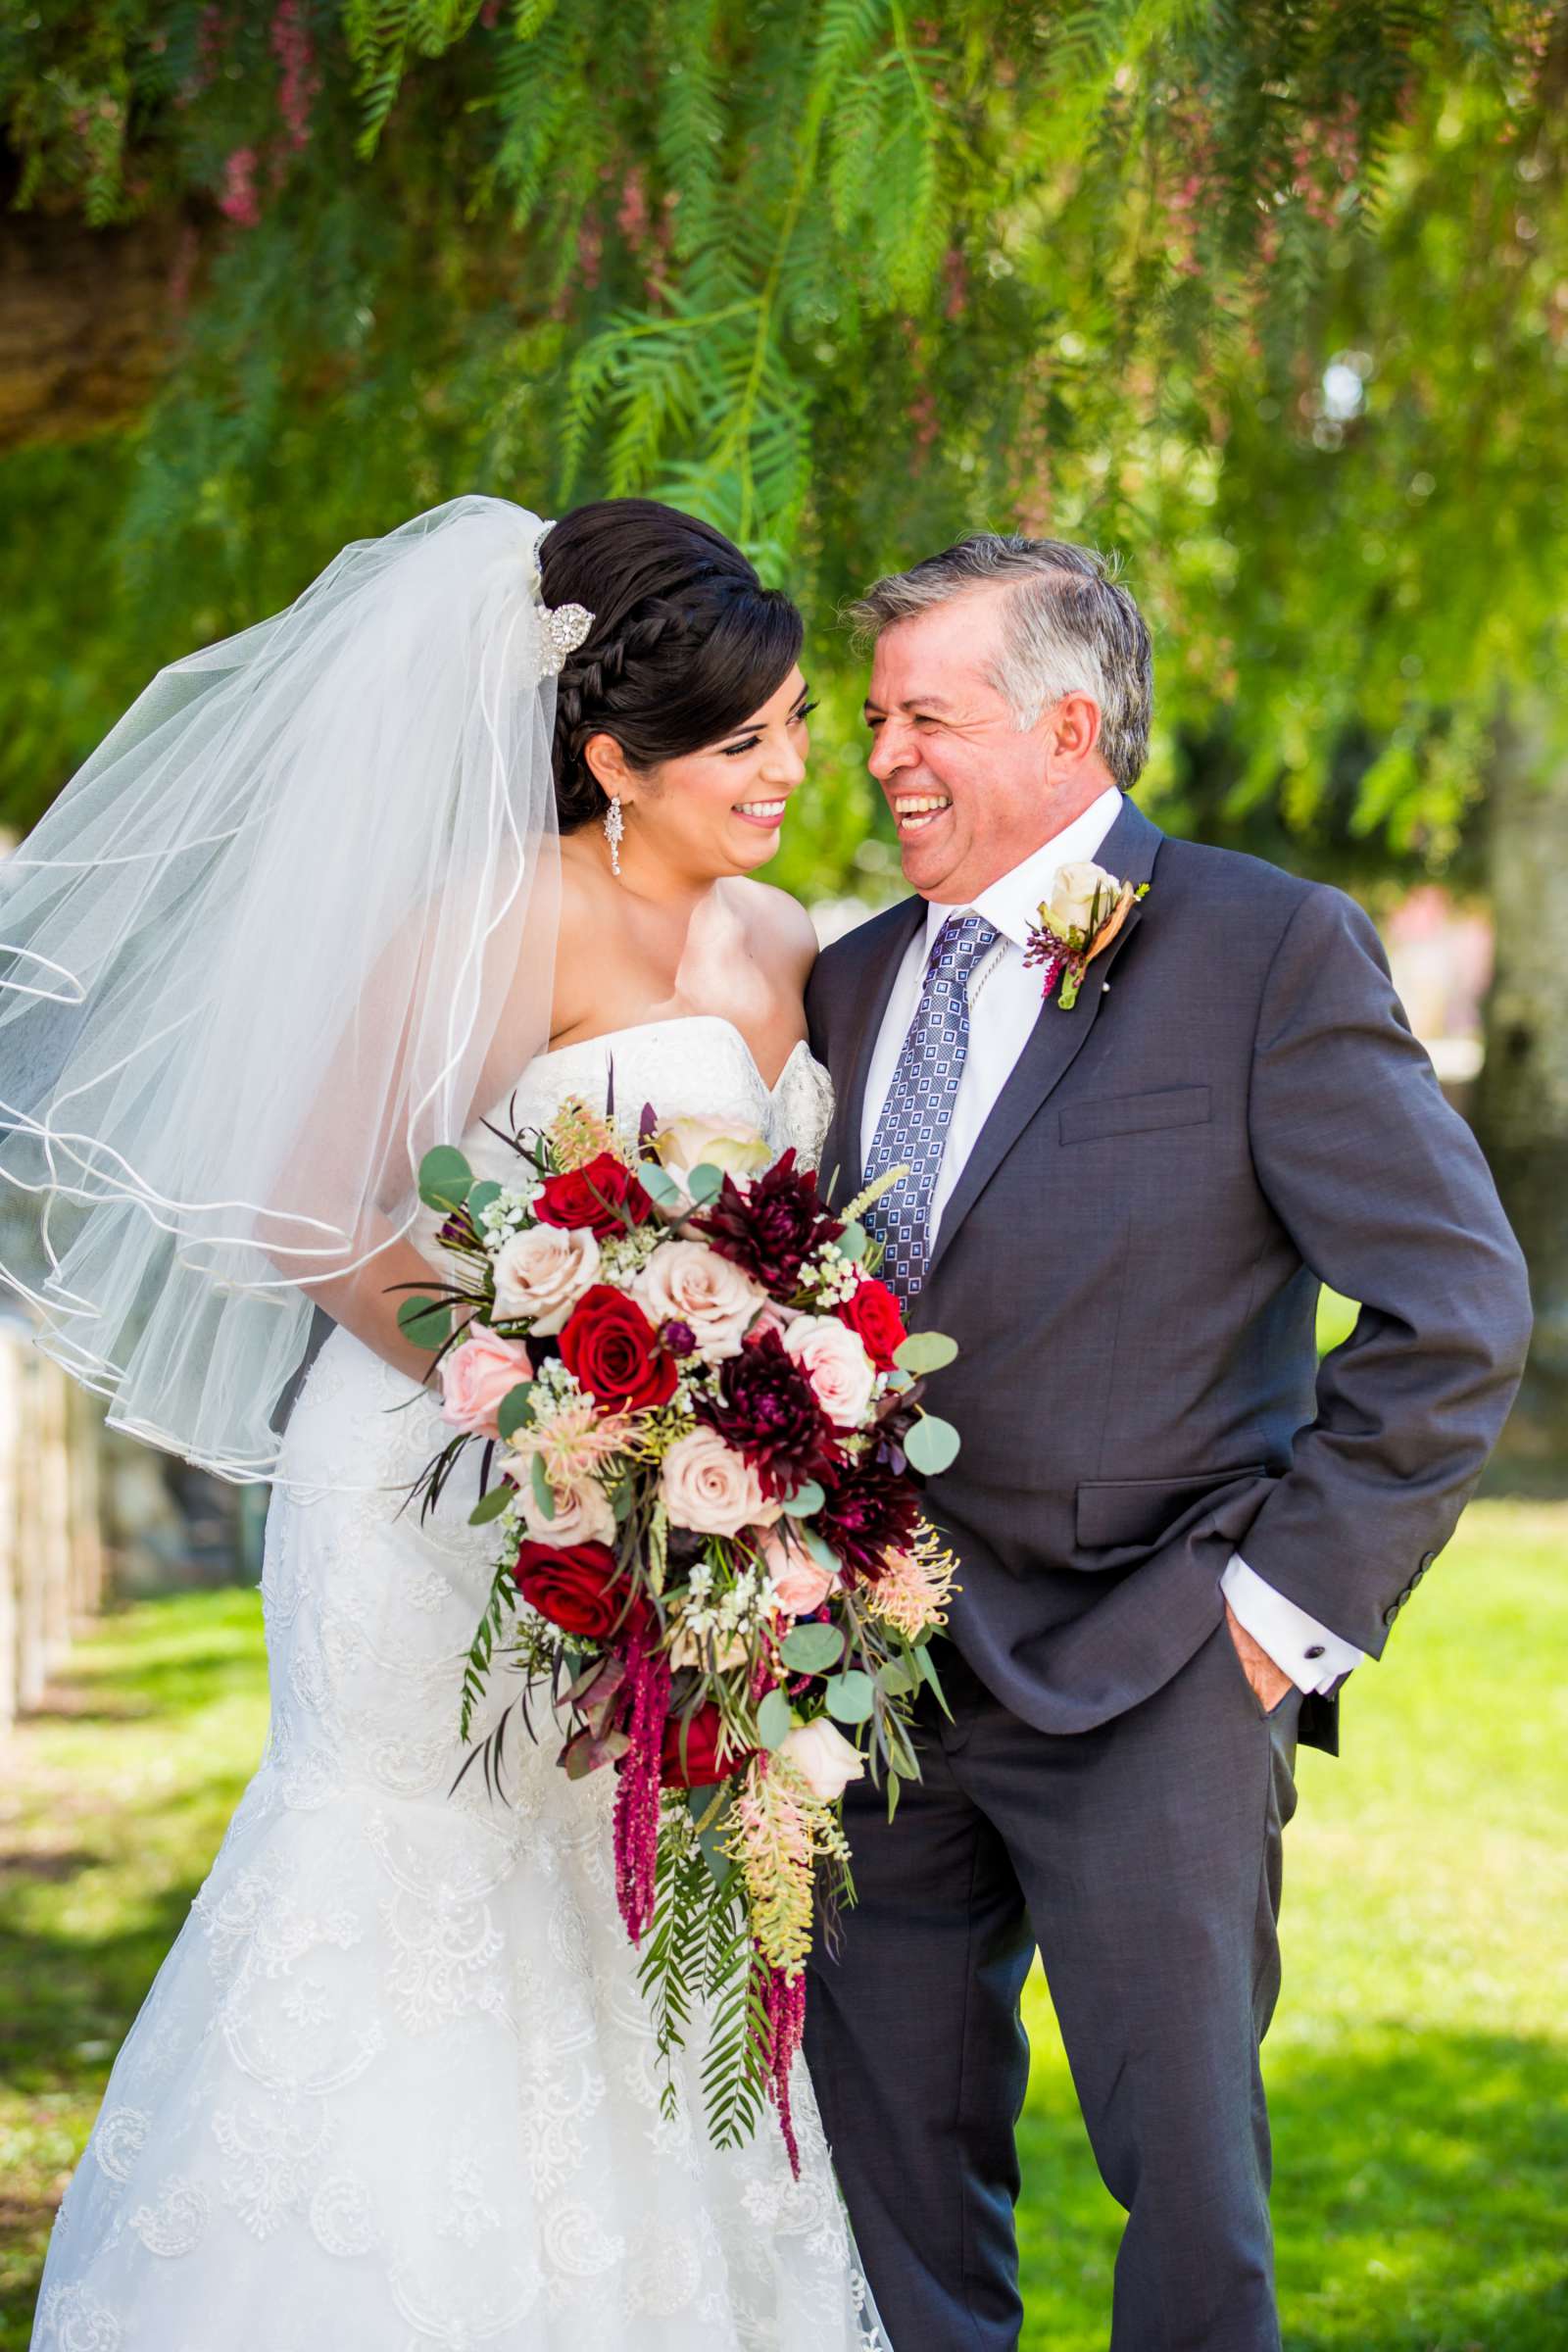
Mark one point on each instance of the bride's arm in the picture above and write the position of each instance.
(366, 1301)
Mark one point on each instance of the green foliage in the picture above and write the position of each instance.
(495, 1625)
(699, 1958)
(850, 280)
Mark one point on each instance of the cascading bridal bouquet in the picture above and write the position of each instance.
(702, 1423)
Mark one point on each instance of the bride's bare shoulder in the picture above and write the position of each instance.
(588, 916)
(778, 929)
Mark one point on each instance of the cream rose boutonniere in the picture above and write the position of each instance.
(1086, 910)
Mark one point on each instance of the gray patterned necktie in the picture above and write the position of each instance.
(914, 1124)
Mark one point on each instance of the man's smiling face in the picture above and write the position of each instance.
(971, 795)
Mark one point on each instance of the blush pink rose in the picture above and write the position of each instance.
(834, 1360)
(542, 1272)
(584, 1514)
(475, 1376)
(824, 1759)
(798, 1585)
(773, 1317)
(686, 1282)
(711, 1489)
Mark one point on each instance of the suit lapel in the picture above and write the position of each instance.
(842, 1155)
(1056, 1039)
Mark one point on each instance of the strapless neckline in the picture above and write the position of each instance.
(694, 1065)
(684, 1020)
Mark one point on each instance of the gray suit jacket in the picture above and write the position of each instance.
(1234, 1111)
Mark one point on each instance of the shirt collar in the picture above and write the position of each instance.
(1013, 904)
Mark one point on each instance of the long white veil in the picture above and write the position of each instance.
(291, 924)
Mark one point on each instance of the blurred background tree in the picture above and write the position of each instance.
(1271, 298)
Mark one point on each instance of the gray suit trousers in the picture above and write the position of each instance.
(1143, 1858)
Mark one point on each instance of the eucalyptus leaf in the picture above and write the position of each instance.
(515, 1408)
(774, 1720)
(426, 1322)
(483, 1192)
(854, 1242)
(932, 1445)
(705, 1183)
(659, 1186)
(821, 1551)
(812, 1648)
(490, 1507)
(851, 1696)
(542, 1495)
(899, 1675)
(925, 1352)
(445, 1178)
(804, 1500)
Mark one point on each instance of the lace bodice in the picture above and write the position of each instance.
(694, 1065)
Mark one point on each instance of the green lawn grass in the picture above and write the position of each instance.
(1419, 2068)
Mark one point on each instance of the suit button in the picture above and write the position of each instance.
(1427, 1560)
(1391, 1612)
(1315, 1650)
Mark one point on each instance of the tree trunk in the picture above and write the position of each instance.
(1522, 1097)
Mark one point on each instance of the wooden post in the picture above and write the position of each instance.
(51, 1546)
(10, 1547)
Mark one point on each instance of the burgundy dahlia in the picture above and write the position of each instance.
(770, 1229)
(768, 1410)
(870, 1513)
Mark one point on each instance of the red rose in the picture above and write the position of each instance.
(702, 1767)
(614, 1351)
(603, 1195)
(874, 1313)
(577, 1585)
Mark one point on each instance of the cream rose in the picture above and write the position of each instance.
(797, 1583)
(541, 1274)
(711, 1489)
(693, 1143)
(583, 1514)
(686, 1282)
(834, 1360)
(824, 1759)
(1073, 890)
(475, 1376)
(687, 1648)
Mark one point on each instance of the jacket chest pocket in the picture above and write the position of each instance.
(1135, 1114)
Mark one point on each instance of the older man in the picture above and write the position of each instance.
(1177, 1532)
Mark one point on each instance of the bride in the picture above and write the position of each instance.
(467, 830)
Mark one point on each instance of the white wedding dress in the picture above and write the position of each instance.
(395, 2086)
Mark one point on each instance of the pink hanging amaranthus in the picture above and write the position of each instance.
(637, 1799)
(785, 2001)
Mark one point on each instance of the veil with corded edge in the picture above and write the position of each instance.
(291, 924)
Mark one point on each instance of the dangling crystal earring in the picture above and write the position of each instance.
(615, 827)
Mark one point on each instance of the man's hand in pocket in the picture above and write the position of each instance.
(1269, 1682)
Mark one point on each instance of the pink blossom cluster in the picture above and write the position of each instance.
(298, 82)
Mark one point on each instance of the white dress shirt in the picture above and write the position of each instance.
(1004, 1006)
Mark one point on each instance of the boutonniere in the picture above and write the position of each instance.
(1085, 912)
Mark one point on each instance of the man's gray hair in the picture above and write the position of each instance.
(1068, 627)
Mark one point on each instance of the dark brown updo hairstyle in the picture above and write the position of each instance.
(686, 642)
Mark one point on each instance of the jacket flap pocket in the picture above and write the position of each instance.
(1133, 1114)
(1140, 1510)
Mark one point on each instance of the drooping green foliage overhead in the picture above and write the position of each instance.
(850, 279)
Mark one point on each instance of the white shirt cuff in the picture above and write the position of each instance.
(1313, 1656)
